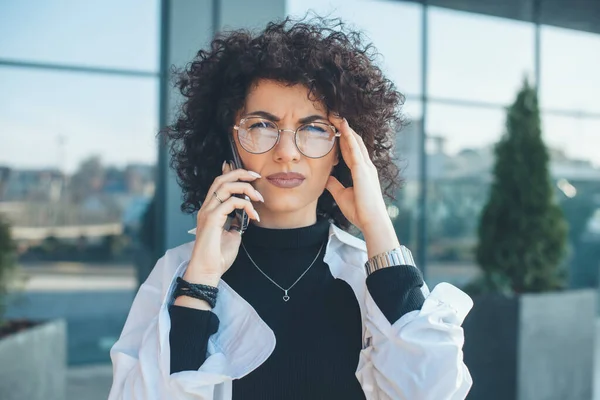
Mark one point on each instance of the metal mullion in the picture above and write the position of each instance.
(76, 68)
(160, 196)
(422, 222)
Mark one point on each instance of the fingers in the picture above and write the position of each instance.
(217, 213)
(222, 211)
(334, 187)
(223, 186)
(363, 147)
(240, 174)
(352, 146)
(228, 189)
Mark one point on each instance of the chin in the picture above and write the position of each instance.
(285, 204)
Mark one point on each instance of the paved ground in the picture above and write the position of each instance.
(69, 276)
(91, 382)
(94, 301)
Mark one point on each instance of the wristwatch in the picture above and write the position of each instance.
(398, 256)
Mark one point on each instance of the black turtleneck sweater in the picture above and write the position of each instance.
(318, 331)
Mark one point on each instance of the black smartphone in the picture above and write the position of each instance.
(238, 220)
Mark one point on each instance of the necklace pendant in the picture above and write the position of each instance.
(285, 296)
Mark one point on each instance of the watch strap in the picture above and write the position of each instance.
(398, 256)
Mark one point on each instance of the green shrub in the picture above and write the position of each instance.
(7, 262)
(522, 230)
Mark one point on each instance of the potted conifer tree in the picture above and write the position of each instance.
(527, 337)
(32, 353)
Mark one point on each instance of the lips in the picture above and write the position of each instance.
(286, 179)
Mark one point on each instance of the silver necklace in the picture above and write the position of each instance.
(286, 297)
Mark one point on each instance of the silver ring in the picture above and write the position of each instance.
(217, 196)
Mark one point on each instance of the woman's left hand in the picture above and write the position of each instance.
(362, 204)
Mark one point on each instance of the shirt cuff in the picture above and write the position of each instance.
(188, 338)
(396, 290)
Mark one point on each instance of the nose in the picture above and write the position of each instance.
(285, 149)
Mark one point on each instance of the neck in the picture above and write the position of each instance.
(286, 219)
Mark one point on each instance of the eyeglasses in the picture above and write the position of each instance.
(259, 135)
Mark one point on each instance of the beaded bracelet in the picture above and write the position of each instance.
(196, 291)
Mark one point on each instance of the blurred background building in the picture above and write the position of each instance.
(85, 87)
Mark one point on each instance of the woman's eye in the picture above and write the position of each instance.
(262, 125)
(314, 129)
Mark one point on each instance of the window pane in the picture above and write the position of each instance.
(575, 167)
(459, 128)
(478, 58)
(77, 156)
(574, 139)
(408, 140)
(460, 157)
(108, 33)
(393, 27)
(404, 211)
(56, 119)
(570, 70)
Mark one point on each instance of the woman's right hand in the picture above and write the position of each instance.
(215, 249)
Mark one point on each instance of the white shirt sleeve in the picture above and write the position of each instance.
(419, 356)
(141, 356)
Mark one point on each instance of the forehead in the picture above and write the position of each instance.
(282, 100)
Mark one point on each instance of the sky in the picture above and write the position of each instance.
(56, 119)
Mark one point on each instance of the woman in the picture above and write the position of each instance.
(295, 307)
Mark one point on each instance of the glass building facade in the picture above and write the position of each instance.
(85, 87)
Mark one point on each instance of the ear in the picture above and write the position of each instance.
(336, 161)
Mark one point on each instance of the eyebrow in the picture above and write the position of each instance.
(269, 116)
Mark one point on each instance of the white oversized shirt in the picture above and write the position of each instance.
(419, 357)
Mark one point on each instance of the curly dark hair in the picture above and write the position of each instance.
(322, 54)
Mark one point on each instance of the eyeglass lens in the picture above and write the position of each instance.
(259, 135)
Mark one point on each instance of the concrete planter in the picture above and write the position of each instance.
(532, 346)
(33, 363)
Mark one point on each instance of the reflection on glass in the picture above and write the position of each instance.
(572, 139)
(404, 210)
(569, 70)
(460, 159)
(393, 27)
(478, 58)
(77, 160)
(575, 168)
(456, 129)
(56, 119)
(109, 33)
